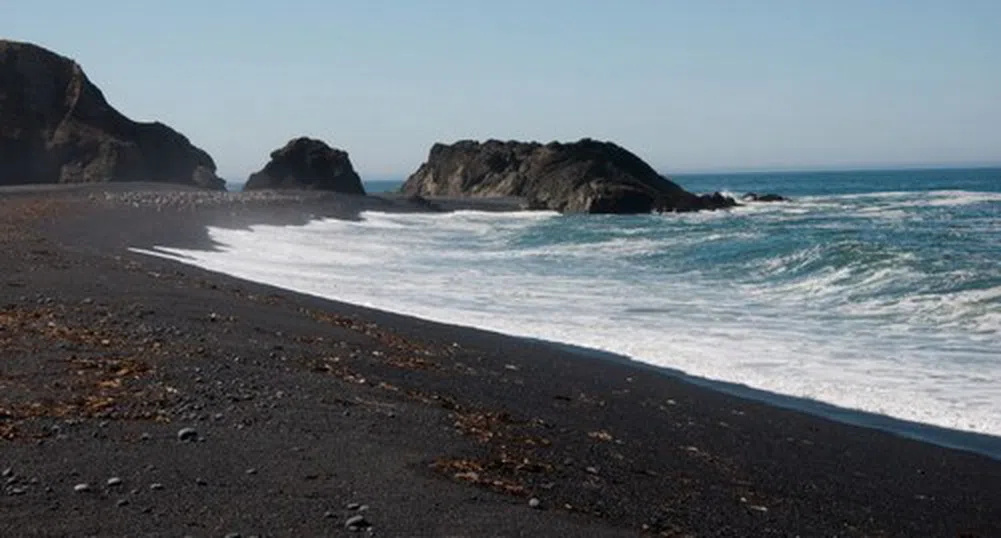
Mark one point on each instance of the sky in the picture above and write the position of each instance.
(689, 86)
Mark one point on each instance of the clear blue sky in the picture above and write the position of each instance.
(688, 85)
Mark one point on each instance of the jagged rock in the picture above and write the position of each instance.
(587, 176)
(755, 197)
(57, 127)
(307, 163)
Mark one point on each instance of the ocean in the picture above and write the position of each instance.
(873, 297)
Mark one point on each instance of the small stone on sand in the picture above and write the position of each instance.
(357, 523)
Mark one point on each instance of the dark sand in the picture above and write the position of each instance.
(303, 406)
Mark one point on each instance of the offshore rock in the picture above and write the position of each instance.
(755, 197)
(587, 176)
(307, 164)
(57, 127)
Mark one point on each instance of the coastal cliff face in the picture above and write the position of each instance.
(307, 164)
(57, 127)
(587, 176)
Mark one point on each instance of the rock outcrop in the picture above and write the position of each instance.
(308, 164)
(587, 176)
(57, 127)
(755, 197)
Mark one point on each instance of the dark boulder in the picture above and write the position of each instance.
(704, 202)
(755, 197)
(57, 127)
(307, 164)
(587, 176)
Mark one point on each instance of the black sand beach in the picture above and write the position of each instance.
(307, 412)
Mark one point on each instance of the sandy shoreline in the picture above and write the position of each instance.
(307, 406)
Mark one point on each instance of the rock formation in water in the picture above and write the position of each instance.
(755, 197)
(57, 127)
(306, 163)
(587, 176)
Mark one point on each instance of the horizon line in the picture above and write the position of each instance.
(743, 171)
(775, 170)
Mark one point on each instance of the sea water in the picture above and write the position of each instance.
(875, 293)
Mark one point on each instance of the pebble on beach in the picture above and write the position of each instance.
(357, 523)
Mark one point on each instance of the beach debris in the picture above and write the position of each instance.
(114, 482)
(81, 487)
(353, 506)
(7, 473)
(534, 503)
(357, 523)
(156, 486)
(592, 470)
(251, 471)
(600, 435)
(145, 437)
(187, 434)
(754, 507)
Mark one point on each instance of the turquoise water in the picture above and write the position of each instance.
(874, 295)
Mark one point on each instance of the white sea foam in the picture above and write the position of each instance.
(798, 338)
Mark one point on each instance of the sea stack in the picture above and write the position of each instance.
(57, 127)
(307, 164)
(586, 176)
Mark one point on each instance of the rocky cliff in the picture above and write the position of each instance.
(587, 176)
(57, 127)
(306, 163)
